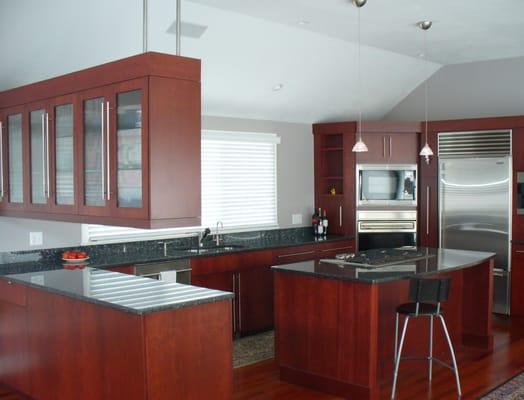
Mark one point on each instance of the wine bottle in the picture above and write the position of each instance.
(320, 229)
(325, 223)
(314, 222)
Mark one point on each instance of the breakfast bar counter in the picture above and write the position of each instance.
(335, 319)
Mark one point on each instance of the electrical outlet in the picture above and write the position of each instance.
(36, 238)
(296, 219)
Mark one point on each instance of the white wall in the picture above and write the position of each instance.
(294, 176)
(471, 90)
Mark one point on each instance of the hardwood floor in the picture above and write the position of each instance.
(479, 374)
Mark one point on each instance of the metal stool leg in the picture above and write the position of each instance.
(459, 390)
(397, 361)
(430, 348)
(396, 339)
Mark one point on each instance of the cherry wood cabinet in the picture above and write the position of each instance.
(335, 175)
(114, 144)
(249, 276)
(390, 143)
(56, 347)
(517, 280)
(123, 269)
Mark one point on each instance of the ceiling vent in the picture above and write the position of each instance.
(194, 31)
(474, 144)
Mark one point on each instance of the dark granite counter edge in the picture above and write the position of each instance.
(164, 307)
(376, 281)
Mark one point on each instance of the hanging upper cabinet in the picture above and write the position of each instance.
(121, 148)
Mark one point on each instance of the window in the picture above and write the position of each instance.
(239, 188)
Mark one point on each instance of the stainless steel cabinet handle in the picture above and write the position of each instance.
(48, 172)
(239, 304)
(340, 216)
(427, 210)
(102, 149)
(1, 160)
(108, 154)
(44, 180)
(519, 251)
(295, 254)
(234, 305)
(390, 146)
(384, 146)
(337, 249)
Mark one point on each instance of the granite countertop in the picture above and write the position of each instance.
(427, 261)
(106, 256)
(127, 293)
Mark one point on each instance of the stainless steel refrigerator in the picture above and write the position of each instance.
(475, 213)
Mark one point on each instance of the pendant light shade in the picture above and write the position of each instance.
(359, 146)
(426, 151)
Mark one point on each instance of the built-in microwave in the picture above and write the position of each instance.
(386, 185)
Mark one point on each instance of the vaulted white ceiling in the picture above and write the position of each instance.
(250, 46)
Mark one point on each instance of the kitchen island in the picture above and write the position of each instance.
(85, 333)
(335, 320)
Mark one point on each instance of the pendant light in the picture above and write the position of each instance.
(360, 146)
(426, 151)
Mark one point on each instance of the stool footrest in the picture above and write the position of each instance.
(419, 358)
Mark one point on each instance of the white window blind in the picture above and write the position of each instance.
(239, 188)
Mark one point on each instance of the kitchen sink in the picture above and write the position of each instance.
(207, 249)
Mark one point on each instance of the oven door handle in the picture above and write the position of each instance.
(387, 226)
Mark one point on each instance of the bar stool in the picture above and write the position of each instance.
(425, 296)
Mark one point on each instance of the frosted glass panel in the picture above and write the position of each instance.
(38, 194)
(16, 162)
(129, 141)
(64, 154)
(94, 153)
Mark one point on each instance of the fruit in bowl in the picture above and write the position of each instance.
(74, 255)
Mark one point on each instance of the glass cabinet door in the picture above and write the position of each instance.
(15, 157)
(129, 149)
(95, 148)
(38, 156)
(64, 160)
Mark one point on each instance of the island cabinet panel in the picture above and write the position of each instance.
(428, 211)
(327, 334)
(200, 334)
(14, 344)
(517, 280)
(79, 148)
(83, 351)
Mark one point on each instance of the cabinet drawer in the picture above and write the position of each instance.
(333, 249)
(12, 293)
(124, 269)
(295, 254)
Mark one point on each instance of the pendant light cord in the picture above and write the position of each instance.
(359, 84)
(426, 83)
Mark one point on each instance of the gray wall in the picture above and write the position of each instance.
(480, 89)
(294, 175)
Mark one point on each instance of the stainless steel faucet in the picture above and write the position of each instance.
(217, 233)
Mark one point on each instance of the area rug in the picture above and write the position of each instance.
(253, 349)
(511, 390)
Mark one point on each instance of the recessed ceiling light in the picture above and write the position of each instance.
(304, 22)
(278, 87)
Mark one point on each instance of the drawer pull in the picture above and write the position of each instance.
(337, 248)
(519, 251)
(295, 254)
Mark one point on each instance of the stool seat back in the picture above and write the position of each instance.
(429, 290)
